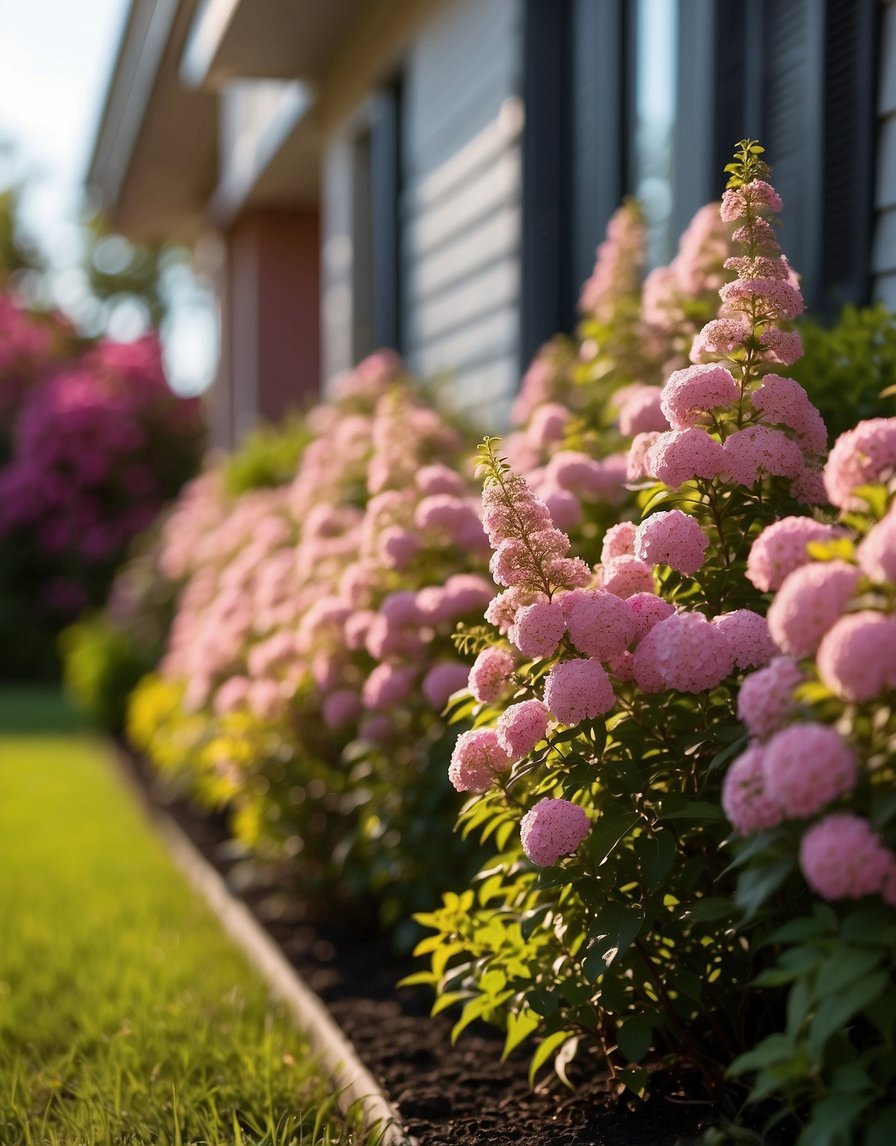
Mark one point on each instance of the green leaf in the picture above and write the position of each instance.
(543, 1000)
(658, 866)
(545, 1049)
(883, 809)
(672, 809)
(875, 496)
(798, 1003)
(519, 1026)
(710, 908)
(533, 919)
(635, 1080)
(796, 930)
(882, 1128)
(831, 1117)
(449, 999)
(838, 549)
(607, 832)
(419, 978)
(755, 885)
(838, 1010)
(635, 1035)
(871, 925)
(612, 933)
(842, 967)
(777, 1048)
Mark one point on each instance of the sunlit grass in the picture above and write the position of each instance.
(125, 1015)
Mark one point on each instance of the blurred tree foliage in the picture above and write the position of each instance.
(117, 269)
(17, 252)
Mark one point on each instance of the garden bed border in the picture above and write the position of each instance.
(355, 1085)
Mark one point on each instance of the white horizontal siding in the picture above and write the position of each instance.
(448, 310)
(337, 262)
(481, 393)
(476, 247)
(885, 291)
(485, 339)
(883, 259)
(460, 234)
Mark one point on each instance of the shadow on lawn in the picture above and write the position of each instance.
(32, 710)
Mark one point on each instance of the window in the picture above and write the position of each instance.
(648, 97)
(652, 155)
(376, 314)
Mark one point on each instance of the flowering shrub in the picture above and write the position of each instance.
(603, 705)
(98, 443)
(811, 799)
(310, 655)
(679, 637)
(850, 366)
(31, 346)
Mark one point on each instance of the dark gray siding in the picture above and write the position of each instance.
(884, 254)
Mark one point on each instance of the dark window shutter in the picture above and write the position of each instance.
(792, 128)
(599, 126)
(547, 303)
(849, 91)
(385, 201)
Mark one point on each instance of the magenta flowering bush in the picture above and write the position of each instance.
(97, 444)
(31, 347)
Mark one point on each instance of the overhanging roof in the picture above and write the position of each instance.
(154, 161)
(272, 39)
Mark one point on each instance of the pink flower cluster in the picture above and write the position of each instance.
(810, 600)
(782, 547)
(671, 538)
(756, 430)
(862, 456)
(477, 758)
(839, 616)
(552, 829)
(617, 267)
(675, 299)
(796, 774)
(842, 857)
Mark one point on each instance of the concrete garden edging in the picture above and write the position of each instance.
(355, 1085)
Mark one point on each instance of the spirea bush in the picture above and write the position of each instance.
(811, 799)
(603, 702)
(311, 650)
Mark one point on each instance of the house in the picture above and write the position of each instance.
(435, 175)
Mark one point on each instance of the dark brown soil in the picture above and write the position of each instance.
(461, 1095)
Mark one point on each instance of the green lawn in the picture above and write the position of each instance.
(125, 1014)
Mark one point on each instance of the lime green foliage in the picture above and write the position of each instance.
(746, 165)
(125, 1015)
(849, 369)
(268, 456)
(101, 664)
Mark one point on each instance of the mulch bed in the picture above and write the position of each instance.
(462, 1095)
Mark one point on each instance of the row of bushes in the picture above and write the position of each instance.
(693, 632)
(92, 444)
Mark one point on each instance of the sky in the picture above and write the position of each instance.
(56, 57)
